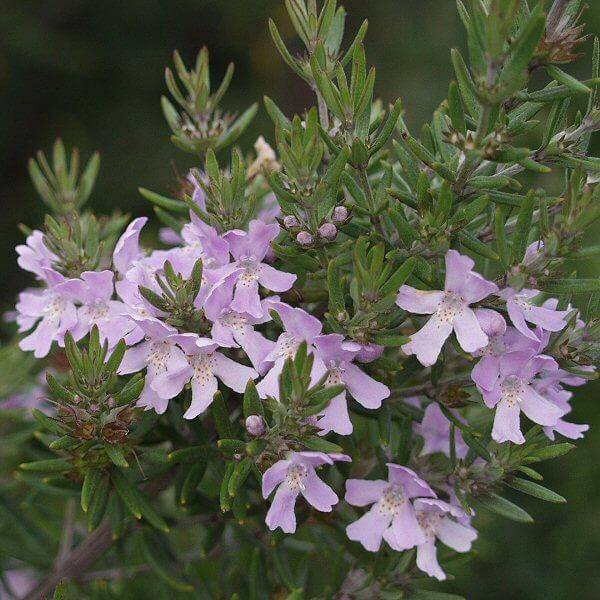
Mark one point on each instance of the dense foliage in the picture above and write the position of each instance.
(335, 339)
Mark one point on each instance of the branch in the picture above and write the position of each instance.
(75, 563)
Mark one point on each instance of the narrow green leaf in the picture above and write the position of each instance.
(503, 507)
(536, 490)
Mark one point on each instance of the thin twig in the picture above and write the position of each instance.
(66, 541)
(77, 562)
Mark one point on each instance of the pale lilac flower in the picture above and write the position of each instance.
(434, 428)
(159, 354)
(136, 307)
(196, 177)
(502, 340)
(521, 311)
(231, 329)
(132, 263)
(127, 249)
(33, 396)
(98, 308)
(18, 582)
(53, 307)
(169, 237)
(201, 241)
(392, 515)
(34, 255)
(337, 356)
(249, 250)
(549, 385)
(293, 476)
(299, 327)
(513, 392)
(203, 366)
(269, 210)
(533, 252)
(369, 352)
(449, 309)
(439, 520)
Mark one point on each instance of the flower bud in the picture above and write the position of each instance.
(255, 425)
(304, 238)
(328, 231)
(340, 214)
(290, 222)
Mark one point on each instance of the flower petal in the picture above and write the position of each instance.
(281, 512)
(273, 476)
(421, 302)
(362, 492)
(455, 535)
(203, 393)
(427, 343)
(369, 529)
(507, 427)
(405, 532)
(427, 560)
(468, 331)
(538, 409)
(363, 388)
(318, 493)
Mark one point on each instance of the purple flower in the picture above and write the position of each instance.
(521, 311)
(369, 352)
(435, 431)
(98, 308)
(502, 340)
(53, 307)
(294, 476)
(533, 252)
(203, 242)
(127, 250)
(513, 392)
(159, 355)
(196, 178)
(299, 327)
(34, 395)
(336, 356)
(17, 583)
(202, 367)
(231, 329)
(438, 520)
(449, 309)
(269, 210)
(249, 250)
(392, 515)
(34, 255)
(549, 385)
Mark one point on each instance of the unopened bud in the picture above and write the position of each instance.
(290, 222)
(340, 214)
(328, 231)
(304, 238)
(255, 425)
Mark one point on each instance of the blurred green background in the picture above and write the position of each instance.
(93, 74)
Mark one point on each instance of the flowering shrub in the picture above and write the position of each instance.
(359, 336)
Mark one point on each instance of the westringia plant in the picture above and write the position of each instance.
(343, 349)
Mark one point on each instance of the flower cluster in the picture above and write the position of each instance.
(512, 374)
(291, 337)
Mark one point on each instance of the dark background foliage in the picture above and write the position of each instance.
(92, 73)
